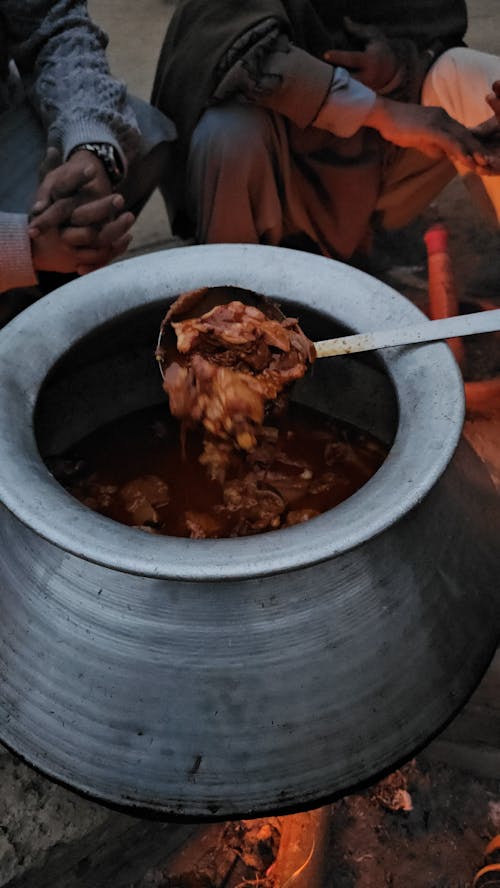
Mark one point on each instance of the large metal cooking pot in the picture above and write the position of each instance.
(210, 678)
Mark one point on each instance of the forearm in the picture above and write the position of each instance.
(16, 263)
(430, 130)
(265, 68)
(60, 53)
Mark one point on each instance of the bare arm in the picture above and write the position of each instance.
(430, 130)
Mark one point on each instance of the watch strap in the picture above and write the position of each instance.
(109, 157)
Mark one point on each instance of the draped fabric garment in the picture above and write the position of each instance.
(337, 180)
(201, 33)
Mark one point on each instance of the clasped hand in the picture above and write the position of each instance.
(77, 224)
(489, 132)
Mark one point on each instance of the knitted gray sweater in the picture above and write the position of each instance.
(60, 56)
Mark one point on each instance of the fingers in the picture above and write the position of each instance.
(97, 211)
(455, 140)
(353, 61)
(61, 183)
(96, 225)
(461, 153)
(120, 245)
(80, 177)
(98, 184)
(488, 134)
(68, 211)
(56, 215)
(493, 98)
(112, 252)
(103, 246)
(92, 256)
(114, 231)
(493, 101)
(472, 148)
(488, 129)
(493, 168)
(89, 236)
(80, 237)
(462, 147)
(69, 180)
(51, 160)
(57, 197)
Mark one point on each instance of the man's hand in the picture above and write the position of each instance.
(79, 180)
(493, 99)
(376, 65)
(101, 225)
(98, 233)
(488, 132)
(431, 131)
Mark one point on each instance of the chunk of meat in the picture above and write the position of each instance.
(97, 495)
(253, 506)
(202, 526)
(142, 497)
(290, 487)
(231, 362)
(298, 516)
(228, 403)
(216, 456)
(241, 334)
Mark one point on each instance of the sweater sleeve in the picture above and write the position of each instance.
(60, 54)
(265, 68)
(16, 265)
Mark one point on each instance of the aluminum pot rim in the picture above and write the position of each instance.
(426, 380)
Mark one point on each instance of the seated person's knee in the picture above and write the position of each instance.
(231, 131)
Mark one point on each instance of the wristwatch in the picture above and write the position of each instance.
(109, 157)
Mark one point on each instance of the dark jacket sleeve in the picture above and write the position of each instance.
(222, 48)
(263, 67)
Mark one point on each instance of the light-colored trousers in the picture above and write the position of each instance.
(241, 184)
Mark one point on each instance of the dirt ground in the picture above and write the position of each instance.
(424, 826)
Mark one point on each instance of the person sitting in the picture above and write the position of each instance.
(78, 158)
(298, 125)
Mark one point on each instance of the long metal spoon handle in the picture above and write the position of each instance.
(429, 331)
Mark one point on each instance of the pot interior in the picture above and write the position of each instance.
(113, 372)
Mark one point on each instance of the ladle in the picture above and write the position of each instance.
(427, 331)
